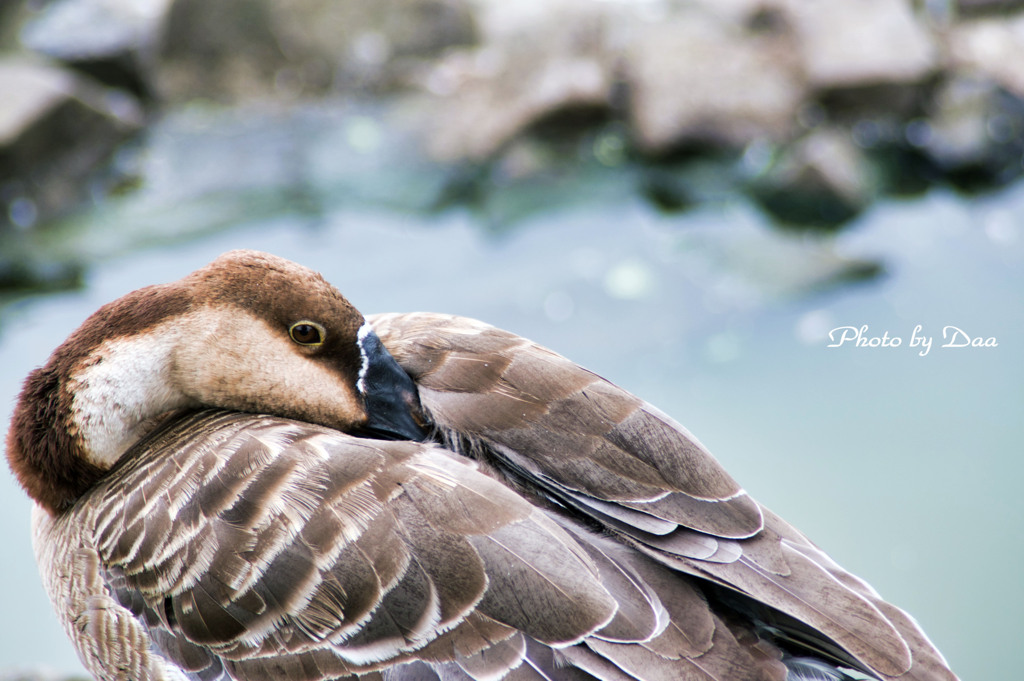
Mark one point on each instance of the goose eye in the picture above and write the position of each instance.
(307, 333)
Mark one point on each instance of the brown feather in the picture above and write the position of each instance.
(535, 569)
(494, 662)
(636, 472)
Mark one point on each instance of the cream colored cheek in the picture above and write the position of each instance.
(263, 373)
(298, 387)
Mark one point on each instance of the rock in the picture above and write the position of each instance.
(854, 43)
(694, 77)
(956, 134)
(974, 135)
(225, 50)
(821, 180)
(698, 79)
(976, 132)
(111, 40)
(12, 16)
(234, 50)
(426, 28)
(372, 46)
(486, 114)
(975, 8)
(55, 128)
(523, 74)
(991, 48)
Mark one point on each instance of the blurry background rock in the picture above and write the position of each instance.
(815, 108)
(57, 129)
(110, 40)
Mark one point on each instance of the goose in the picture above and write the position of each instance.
(237, 475)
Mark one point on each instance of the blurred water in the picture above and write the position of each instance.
(903, 467)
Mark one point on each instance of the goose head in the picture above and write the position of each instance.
(249, 332)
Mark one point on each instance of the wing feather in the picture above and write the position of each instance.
(495, 662)
(583, 444)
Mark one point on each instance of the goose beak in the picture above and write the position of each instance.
(389, 394)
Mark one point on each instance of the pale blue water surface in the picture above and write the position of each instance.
(904, 467)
